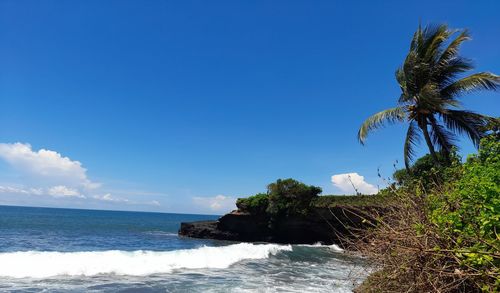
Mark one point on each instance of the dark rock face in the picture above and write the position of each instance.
(323, 225)
(205, 230)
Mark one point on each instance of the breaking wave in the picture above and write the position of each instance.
(333, 247)
(44, 264)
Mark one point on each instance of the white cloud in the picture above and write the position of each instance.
(45, 164)
(218, 203)
(154, 203)
(345, 183)
(55, 191)
(64, 191)
(62, 178)
(14, 190)
(110, 198)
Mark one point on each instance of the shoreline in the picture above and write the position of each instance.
(324, 225)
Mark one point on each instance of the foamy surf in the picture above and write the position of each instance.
(44, 264)
(333, 247)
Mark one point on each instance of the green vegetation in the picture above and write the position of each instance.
(425, 170)
(469, 215)
(288, 197)
(442, 232)
(255, 205)
(431, 83)
(285, 197)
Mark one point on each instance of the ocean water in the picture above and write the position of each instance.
(66, 250)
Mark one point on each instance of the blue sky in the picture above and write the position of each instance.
(183, 106)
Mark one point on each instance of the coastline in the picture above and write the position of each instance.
(323, 225)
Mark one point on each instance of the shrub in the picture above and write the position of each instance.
(290, 197)
(256, 204)
(283, 198)
(425, 171)
(469, 216)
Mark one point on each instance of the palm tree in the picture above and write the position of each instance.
(431, 80)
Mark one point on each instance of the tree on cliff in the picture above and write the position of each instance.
(284, 197)
(290, 197)
(431, 80)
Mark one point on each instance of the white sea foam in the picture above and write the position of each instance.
(333, 247)
(43, 264)
(161, 233)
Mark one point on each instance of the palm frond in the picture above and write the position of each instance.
(411, 140)
(425, 50)
(400, 78)
(446, 74)
(474, 82)
(466, 122)
(390, 116)
(441, 137)
(437, 37)
(429, 100)
(432, 80)
(451, 51)
(425, 38)
(417, 38)
(405, 76)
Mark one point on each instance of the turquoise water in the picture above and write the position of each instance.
(62, 250)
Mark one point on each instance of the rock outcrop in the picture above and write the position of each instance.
(322, 225)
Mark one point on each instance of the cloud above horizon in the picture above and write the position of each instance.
(53, 174)
(16, 190)
(108, 197)
(45, 165)
(64, 191)
(218, 203)
(46, 174)
(54, 191)
(348, 181)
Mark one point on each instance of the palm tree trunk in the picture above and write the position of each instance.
(429, 142)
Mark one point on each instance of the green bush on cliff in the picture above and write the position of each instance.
(255, 205)
(290, 197)
(284, 197)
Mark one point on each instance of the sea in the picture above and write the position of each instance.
(71, 250)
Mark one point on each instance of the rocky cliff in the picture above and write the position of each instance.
(323, 225)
